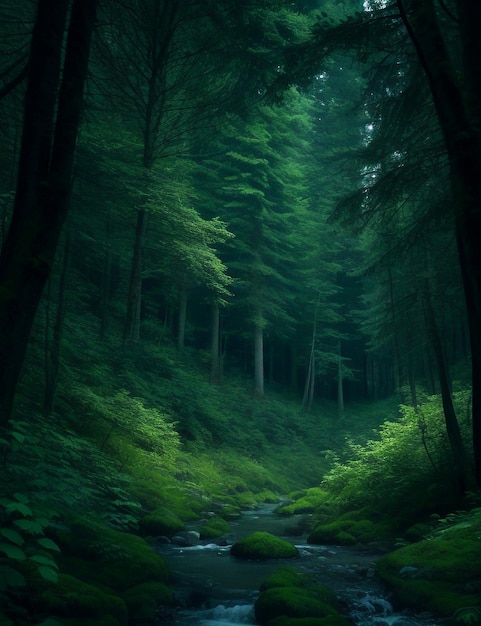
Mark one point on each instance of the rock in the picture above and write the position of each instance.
(187, 539)
(262, 545)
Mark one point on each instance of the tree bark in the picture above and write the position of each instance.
(134, 300)
(53, 345)
(340, 388)
(258, 360)
(50, 126)
(457, 100)
(182, 318)
(215, 345)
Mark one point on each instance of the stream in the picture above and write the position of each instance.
(221, 590)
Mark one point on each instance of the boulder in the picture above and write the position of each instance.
(262, 545)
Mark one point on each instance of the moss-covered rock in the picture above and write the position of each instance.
(305, 502)
(289, 598)
(161, 521)
(262, 545)
(73, 597)
(345, 532)
(290, 602)
(144, 600)
(437, 575)
(214, 527)
(105, 557)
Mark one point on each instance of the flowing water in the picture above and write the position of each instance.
(218, 590)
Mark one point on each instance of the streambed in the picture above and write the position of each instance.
(221, 590)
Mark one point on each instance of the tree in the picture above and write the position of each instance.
(52, 107)
(455, 84)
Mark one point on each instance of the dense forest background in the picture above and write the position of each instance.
(236, 238)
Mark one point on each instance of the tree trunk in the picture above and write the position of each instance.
(340, 388)
(258, 360)
(53, 345)
(458, 106)
(105, 286)
(50, 126)
(452, 425)
(215, 345)
(182, 318)
(134, 301)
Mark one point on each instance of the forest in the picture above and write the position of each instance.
(240, 272)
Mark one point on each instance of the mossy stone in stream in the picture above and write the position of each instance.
(290, 602)
(262, 545)
(291, 577)
(215, 527)
(290, 598)
(161, 521)
(144, 600)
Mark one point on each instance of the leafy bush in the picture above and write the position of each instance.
(403, 470)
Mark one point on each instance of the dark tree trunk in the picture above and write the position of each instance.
(215, 345)
(452, 425)
(54, 344)
(182, 318)
(134, 300)
(457, 99)
(50, 126)
(259, 360)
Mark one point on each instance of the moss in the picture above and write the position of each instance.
(435, 575)
(71, 596)
(308, 502)
(349, 532)
(103, 556)
(328, 533)
(262, 545)
(161, 521)
(418, 531)
(284, 577)
(290, 598)
(290, 602)
(143, 600)
(215, 527)
(291, 577)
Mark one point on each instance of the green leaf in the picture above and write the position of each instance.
(9, 577)
(47, 573)
(18, 437)
(12, 552)
(25, 510)
(21, 497)
(47, 543)
(29, 525)
(44, 560)
(12, 536)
